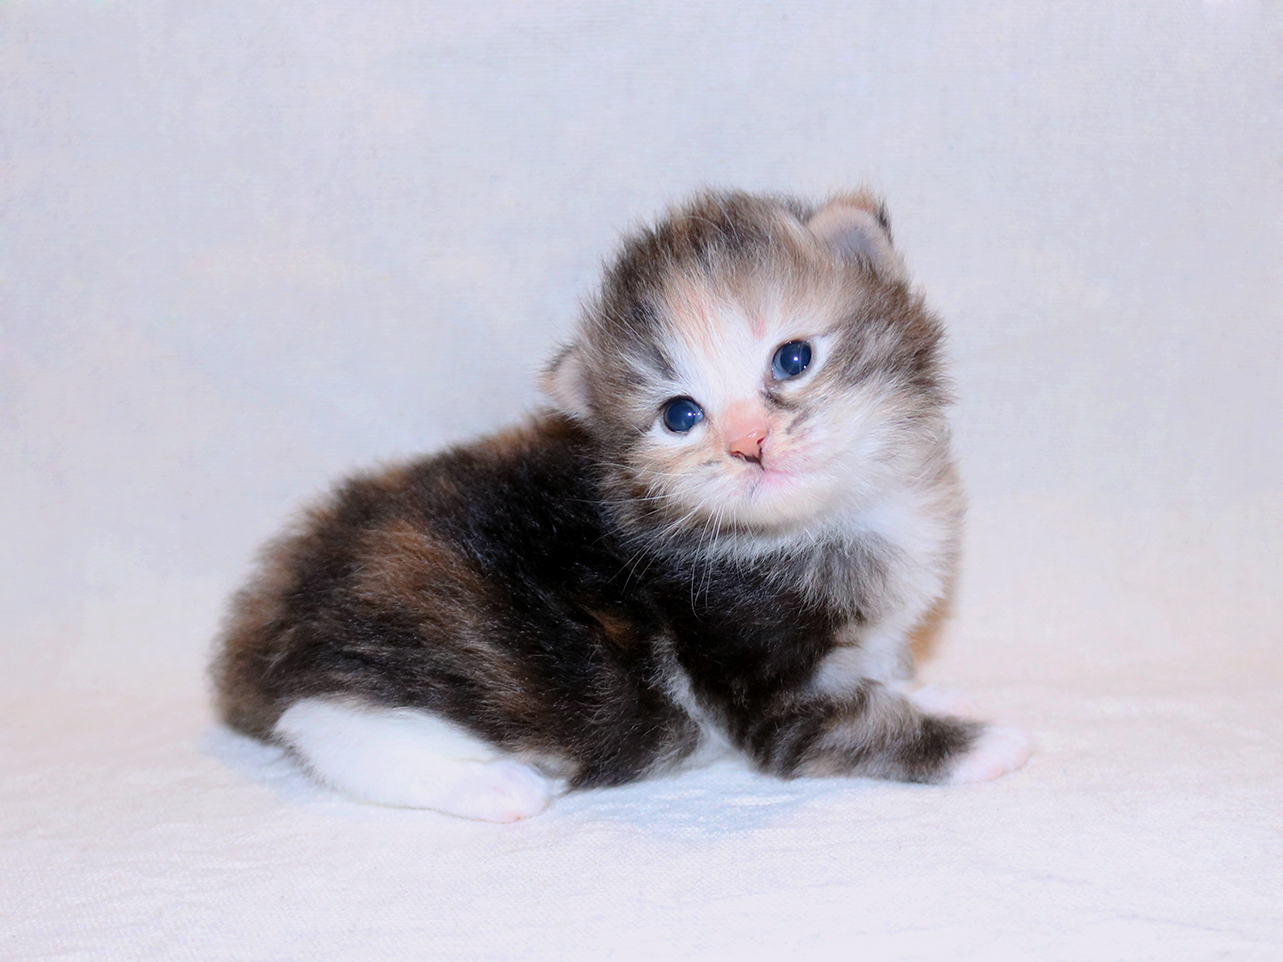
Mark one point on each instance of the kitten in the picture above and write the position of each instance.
(720, 539)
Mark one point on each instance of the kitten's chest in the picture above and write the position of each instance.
(738, 631)
(891, 557)
(767, 619)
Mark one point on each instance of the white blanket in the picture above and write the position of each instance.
(1149, 825)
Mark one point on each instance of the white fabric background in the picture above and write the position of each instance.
(246, 247)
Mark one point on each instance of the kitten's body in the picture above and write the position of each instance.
(600, 595)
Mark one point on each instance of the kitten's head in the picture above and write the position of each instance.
(755, 365)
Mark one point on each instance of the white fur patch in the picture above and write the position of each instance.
(878, 653)
(935, 700)
(713, 743)
(997, 752)
(840, 672)
(410, 759)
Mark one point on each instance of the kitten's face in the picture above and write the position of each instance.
(758, 421)
(764, 388)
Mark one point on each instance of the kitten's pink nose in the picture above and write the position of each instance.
(745, 428)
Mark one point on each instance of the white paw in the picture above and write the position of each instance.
(935, 700)
(502, 791)
(996, 752)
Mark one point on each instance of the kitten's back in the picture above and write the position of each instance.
(480, 585)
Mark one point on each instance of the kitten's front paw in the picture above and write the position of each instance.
(996, 752)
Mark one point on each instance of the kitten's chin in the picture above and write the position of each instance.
(776, 499)
(776, 491)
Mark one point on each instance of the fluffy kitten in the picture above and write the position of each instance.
(743, 503)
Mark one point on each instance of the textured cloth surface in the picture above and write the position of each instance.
(246, 248)
(1148, 827)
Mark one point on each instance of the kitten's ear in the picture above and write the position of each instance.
(565, 380)
(856, 228)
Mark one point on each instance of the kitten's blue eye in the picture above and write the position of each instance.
(791, 359)
(681, 414)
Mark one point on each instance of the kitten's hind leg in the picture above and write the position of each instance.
(407, 758)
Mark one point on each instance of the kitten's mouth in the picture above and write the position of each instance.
(771, 479)
(774, 499)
